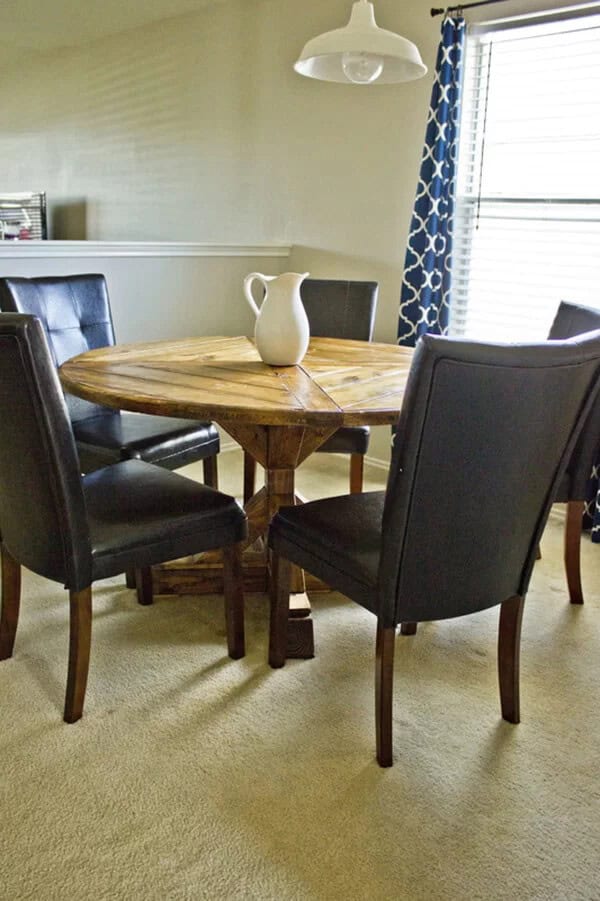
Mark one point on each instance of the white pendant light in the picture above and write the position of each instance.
(361, 53)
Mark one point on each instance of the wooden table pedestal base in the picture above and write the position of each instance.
(203, 574)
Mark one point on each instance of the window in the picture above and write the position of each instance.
(527, 229)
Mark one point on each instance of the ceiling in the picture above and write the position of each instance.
(43, 25)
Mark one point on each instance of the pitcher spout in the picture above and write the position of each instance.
(292, 279)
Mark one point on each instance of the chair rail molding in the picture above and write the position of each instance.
(72, 249)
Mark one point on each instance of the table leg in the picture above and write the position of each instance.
(279, 450)
(280, 493)
(279, 484)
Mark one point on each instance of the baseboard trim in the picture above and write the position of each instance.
(377, 463)
(557, 511)
(228, 446)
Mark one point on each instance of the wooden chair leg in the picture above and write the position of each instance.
(408, 628)
(11, 598)
(384, 683)
(130, 578)
(80, 636)
(233, 578)
(143, 585)
(249, 476)
(357, 462)
(509, 644)
(281, 578)
(573, 529)
(210, 471)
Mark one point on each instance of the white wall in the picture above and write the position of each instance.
(197, 129)
(158, 291)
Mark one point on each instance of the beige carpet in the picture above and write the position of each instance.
(192, 776)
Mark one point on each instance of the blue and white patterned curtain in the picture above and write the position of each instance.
(425, 297)
(591, 516)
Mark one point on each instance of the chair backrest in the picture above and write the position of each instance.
(75, 313)
(483, 438)
(340, 309)
(42, 511)
(572, 319)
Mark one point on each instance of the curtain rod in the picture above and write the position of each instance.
(454, 9)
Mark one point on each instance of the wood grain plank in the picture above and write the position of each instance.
(223, 379)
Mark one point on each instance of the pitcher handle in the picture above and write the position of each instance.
(248, 289)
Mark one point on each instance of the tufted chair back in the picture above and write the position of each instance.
(75, 313)
(42, 510)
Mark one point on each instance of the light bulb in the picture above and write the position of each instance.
(360, 67)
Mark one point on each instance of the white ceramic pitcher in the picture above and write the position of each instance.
(281, 330)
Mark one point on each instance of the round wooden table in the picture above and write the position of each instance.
(280, 415)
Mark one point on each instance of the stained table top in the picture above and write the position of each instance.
(223, 379)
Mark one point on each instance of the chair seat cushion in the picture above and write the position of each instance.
(347, 440)
(170, 443)
(337, 539)
(140, 515)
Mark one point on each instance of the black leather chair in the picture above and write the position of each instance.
(75, 529)
(481, 421)
(336, 309)
(75, 312)
(570, 320)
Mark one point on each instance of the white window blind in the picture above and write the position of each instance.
(527, 231)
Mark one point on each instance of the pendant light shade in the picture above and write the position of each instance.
(361, 53)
